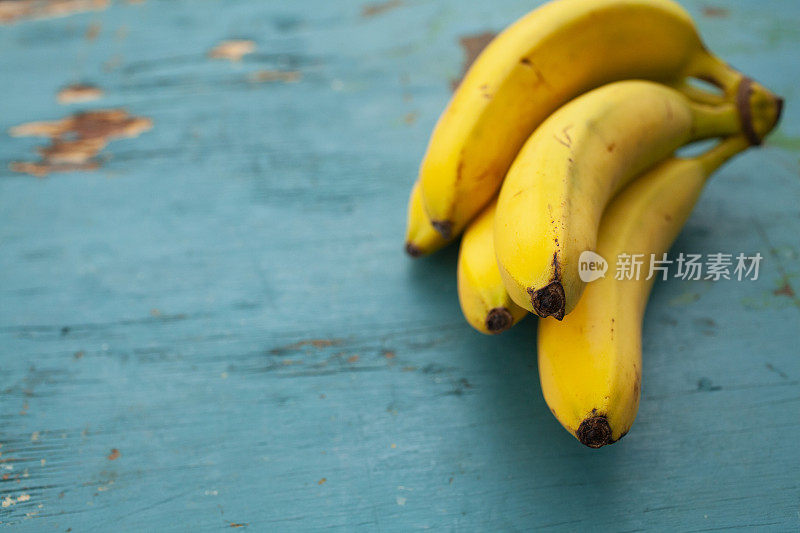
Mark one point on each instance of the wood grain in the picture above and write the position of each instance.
(217, 327)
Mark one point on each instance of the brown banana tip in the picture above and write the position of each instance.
(412, 250)
(549, 301)
(444, 227)
(498, 320)
(743, 93)
(778, 108)
(594, 432)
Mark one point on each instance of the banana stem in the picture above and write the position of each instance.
(715, 121)
(699, 95)
(710, 68)
(716, 156)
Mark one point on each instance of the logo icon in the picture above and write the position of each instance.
(591, 266)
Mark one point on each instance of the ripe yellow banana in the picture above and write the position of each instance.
(554, 194)
(590, 364)
(483, 297)
(542, 61)
(421, 237)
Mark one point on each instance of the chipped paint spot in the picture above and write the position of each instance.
(269, 76)
(79, 92)
(706, 385)
(374, 9)
(75, 152)
(8, 501)
(236, 524)
(114, 455)
(784, 290)
(11, 12)
(352, 359)
(232, 50)
(92, 31)
(684, 299)
(108, 124)
(316, 343)
(77, 139)
(472, 45)
(715, 12)
(321, 481)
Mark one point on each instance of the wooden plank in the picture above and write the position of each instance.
(225, 302)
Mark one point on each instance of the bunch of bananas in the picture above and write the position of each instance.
(560, 140)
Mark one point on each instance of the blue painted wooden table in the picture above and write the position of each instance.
(207, 320)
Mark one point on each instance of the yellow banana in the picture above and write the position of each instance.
(421, 237)
(481, 293)
(540, 62)
(590, 364)
(554, 194)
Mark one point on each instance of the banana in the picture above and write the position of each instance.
(590, 364)
(421, 237)
(539, 63)
(554, 194)
(481, 293)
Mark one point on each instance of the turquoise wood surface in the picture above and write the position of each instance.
(218, 326)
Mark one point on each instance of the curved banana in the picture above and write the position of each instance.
(481, 293)
(590, 364)
(540, 62)
(421, 237)
(554, 194)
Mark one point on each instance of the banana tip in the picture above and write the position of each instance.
(549, 301)
(594, 432)
(498, 320)
(778, 108)
(412, 250)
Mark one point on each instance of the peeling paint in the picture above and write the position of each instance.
(784, 290)
(267, 76)
(472, 45)
(232, 50)
(316, 343)
(11, 12)
(374, 9)
(77, 139)
(715, 12)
